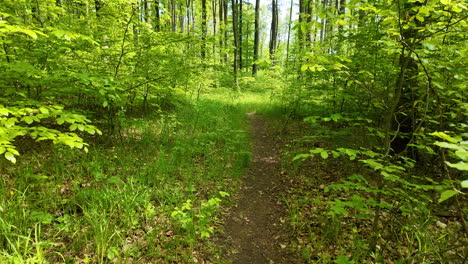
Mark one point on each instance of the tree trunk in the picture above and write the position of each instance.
(407, 82)
(181, 18)
(273, 30)
(324, 21)
(222, 28)
(235, 31)
(187, 8)
(309, 32)
(204, 29)
(157, 17)
(213, 8)
(146, 6)
(289, 32)
(240, 35)
(256, 37)
(225, 4)
(173, 16)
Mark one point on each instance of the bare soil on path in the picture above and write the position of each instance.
(256, 230)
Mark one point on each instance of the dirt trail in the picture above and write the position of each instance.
(255, 230)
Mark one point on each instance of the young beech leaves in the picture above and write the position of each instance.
(33, 118)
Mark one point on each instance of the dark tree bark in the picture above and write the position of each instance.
(146, 11)
(300, 33)
(157, 16)
(273, 30)
(404, 119)
(204, 29)
(225, 5)
(240, 35)
(235, 31)
(222, 28)
(309, 31)
(215, 22)
(173, 16)
(256, 37)
(305, 17)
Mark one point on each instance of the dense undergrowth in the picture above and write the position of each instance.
(334, 199)
(150, 197)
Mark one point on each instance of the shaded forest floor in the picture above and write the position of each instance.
(283, 212)
(256, 229)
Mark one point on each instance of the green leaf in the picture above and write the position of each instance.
(324, 154)
(302, 156)
(462, 154)
(464, 184)
(459, 165)
(336, 154)
(4, 111)
(43, 217)
(444, 136)
(447, 145)
(43, 110)
(336, 117)
(13, 151)
(9, 156)
(60, 121)
(447, 195)
(28, 119)
(10, 122)
(223, 194)
(343, 260)
(316, 150)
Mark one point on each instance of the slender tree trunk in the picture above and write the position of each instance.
(235, 31)
(289, 32)
(308, 9)
(222, 28)
(173, 16)
(213, 8)
(256, 37)
(193, 16)
(273, 30)
(187, 14)
(225, 4)
(181, 18)
(157, 18)
(240, 35)
(146, 11)
(324, 21)
(300, 33)
(204, 29)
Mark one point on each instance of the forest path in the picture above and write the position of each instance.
(255, 228)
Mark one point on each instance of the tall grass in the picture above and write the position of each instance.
(117, 203)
